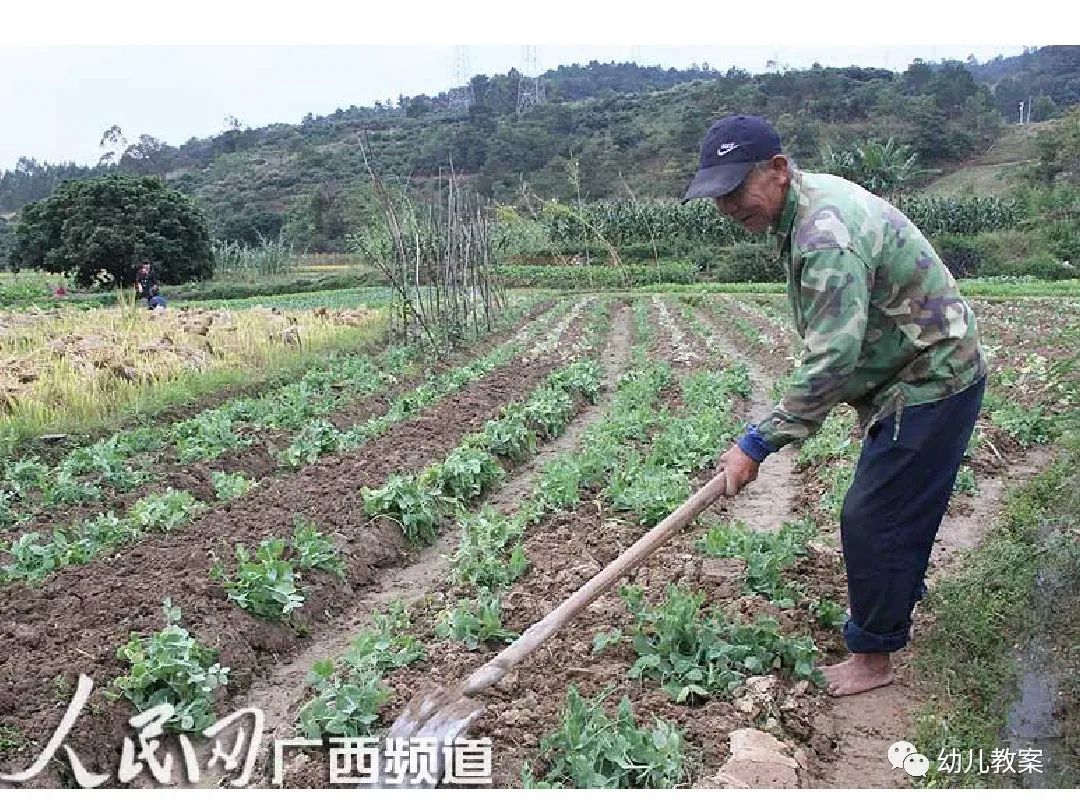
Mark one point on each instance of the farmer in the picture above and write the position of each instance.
(144, 280)
(885, 329)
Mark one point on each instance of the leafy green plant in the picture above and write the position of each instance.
(965, 483)
(342, 707)
(510, 436)
(315, 439)
(171, 667)
(1028, 424)
(265, 585)
(560, 484)
(485, 557)
(348, 698)
(385, 646)
(8, 516)
(33, 560)
(314, 549)
(828, 613)
(651, 491)
(66, 489)
(474, 621)
(207, 436)
(467, 473)
(581, 377)
(694, 655)
(767, 555)
(22, 475)
(230, 485)
(589, 749)
(164, 511)
(550, 410)
(405, 500)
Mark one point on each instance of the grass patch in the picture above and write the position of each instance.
(967, 662)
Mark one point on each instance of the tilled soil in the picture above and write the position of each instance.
(565, 550)
(256, 461)
(76, 620)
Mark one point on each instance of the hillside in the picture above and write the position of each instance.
(605, 131)
(989, 173)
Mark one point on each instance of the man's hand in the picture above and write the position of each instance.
(739, 469)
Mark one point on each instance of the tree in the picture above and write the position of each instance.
(111, 223)
(881, 168)
(1043, 108)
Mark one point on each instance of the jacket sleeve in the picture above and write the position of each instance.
(834, 293)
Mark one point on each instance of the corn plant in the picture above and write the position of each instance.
(171, 667)
(264, 585)
(589, 749)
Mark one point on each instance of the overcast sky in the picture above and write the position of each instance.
(58, 100)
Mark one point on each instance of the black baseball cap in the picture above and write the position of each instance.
(731, 148)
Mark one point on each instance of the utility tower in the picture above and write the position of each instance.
(461, 93)
(530, 89)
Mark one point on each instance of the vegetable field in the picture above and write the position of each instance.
(329, 546)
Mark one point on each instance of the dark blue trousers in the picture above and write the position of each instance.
(892, 513)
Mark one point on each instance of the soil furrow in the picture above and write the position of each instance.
(74, 623)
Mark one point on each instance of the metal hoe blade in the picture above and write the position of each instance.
(441, 715)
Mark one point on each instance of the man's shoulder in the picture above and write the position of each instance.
(834, 213)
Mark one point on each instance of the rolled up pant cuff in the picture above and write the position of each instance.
(859, 640)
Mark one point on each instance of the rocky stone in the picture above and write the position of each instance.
(759, 760)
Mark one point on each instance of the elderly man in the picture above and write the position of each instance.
(886, 330)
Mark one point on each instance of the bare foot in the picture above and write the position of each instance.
(859, 673)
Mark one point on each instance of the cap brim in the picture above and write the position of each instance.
(716, 181)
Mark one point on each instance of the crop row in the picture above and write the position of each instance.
(33, 558)
(119, 462)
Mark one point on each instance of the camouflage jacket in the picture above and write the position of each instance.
(881, 317)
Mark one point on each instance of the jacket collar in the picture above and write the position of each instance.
(782, 229)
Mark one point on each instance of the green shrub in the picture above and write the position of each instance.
(264, 586)
(171, 667)
(591, 750)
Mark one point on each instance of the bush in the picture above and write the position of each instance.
(749, 261)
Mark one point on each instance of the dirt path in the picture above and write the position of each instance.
(767, 503)
(281, 692)
(866, 725)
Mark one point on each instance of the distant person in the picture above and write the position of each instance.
(886, 330)
(144, 280)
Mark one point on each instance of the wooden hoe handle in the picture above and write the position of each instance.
(493, 671)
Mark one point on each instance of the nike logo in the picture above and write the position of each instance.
(725, 148)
